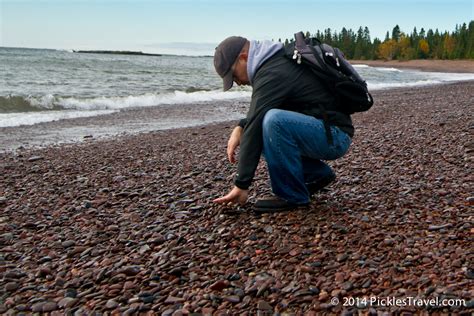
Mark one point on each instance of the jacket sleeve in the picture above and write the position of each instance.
(242, 123)
(271, 88)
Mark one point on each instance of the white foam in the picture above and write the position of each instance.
(31, 118)
(387, 69)
(450, 76)
(43, 102)
(177, 97)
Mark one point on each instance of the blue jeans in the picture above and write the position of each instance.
(294, 146)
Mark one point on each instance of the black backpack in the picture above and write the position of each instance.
(331, 67)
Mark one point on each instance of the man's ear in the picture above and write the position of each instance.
(244, 56)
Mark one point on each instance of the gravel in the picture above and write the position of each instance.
(128, 225)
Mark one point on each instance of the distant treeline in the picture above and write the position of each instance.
(399, 45)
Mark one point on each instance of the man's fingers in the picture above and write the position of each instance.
(220, 200)
(224, 199)
(231, 153)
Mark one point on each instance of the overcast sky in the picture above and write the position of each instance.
(196, 26)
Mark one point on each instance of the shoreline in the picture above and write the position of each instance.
(133, 121)
(124, 122)
(127, 225)
(431, 65)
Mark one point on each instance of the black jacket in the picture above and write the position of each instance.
(280, 83)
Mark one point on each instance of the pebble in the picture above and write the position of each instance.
(11, 286)
(174, 300)
(70, 293)
(232, 298)
(439, 227)
(37, 307)
(49, 307)
(130, 270)
(68, 243)
(35, 158)
(342, 257)
(111, 304)
(219, 285)
(264, 306)
(67, 302)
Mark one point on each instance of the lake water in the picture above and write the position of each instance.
(39, 85)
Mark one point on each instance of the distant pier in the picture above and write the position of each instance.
(115, 52)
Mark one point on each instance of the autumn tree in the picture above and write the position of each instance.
(387, 49)
(423, 49)
(449, 45)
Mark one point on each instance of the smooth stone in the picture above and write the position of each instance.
(348, 286)
(11, 286)
(439, 227)
(68, 243)
(128, 285)
(144, 249)
(70, 293)
(264, 306)
(35, 158)
(193, 276)
(342, 257)
(219, 285)
(233, 299)
(173, 300)
(131, 270)
(14, 275)
(37, 307)
(67, 302)
(21, 308)
(168, 312)
(111, 304)
(367, 284)
(49, 307)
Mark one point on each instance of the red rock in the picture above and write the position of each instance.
(219, 285)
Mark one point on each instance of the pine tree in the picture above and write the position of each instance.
(470, 41)
(396, 33)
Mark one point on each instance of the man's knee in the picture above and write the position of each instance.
(272, 119)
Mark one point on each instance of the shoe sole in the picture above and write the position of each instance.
(263, 210)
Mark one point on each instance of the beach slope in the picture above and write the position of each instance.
(127, 225)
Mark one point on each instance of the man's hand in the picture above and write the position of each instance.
(235, 196)
(233, 143)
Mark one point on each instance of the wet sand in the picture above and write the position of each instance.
(127, 225)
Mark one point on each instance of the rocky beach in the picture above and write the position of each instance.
(126, 225)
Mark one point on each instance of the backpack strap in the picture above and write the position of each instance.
(302, 47)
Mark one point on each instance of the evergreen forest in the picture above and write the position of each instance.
(398, 45)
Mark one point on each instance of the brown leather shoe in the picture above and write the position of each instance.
(275, 204)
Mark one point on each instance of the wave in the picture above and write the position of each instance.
(12, 104)
(431, 79)
(20, 104)
(31, 118)
(388, 69)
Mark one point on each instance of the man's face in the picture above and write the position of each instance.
(239, 70)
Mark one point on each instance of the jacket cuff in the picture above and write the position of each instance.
(242, 123)
(241, 184)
